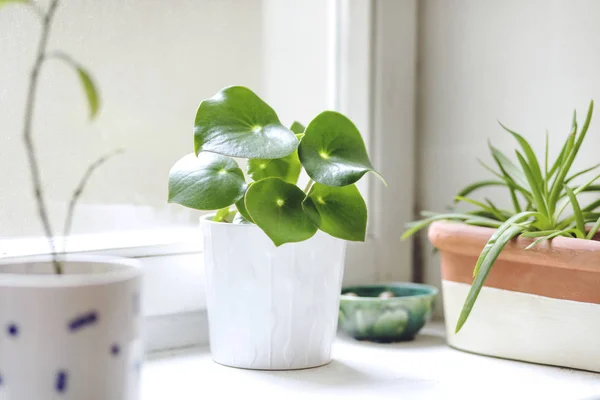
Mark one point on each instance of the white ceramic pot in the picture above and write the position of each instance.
(271, 307)
(75, 336)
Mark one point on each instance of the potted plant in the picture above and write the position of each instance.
(274, 261)
(69, 325)
(541, 300)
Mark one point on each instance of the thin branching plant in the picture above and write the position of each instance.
(46, 17)
(541, 193)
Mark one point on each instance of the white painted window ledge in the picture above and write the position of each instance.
(423, 369)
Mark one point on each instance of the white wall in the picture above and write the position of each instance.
(154, 61)
(527, 63)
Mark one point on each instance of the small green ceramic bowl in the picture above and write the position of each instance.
(366, 316)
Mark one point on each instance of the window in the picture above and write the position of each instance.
(153, 63)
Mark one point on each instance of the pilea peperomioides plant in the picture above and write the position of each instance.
(237, 123)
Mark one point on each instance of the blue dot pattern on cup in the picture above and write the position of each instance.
(61, 381)
(115, 349)
(13, 330)
(83, 320)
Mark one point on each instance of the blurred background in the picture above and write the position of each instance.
(426, 81)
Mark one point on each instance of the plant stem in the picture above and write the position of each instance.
(27, 137)
(308, 186)
(79, 191)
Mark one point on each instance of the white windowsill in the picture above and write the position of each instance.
(140, 243)
(173, 299)
(423, 369)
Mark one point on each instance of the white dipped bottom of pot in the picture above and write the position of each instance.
(525, 327)
(271, 308)
(540, 305)
(73, 336)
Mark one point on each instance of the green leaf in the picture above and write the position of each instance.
(508, 168)
(287, 168)
(6, 2)
(338, 211)
(297, 127)
(548, 237)
(276, 207)
(570, 155)
(207, 182)
(237, 123)
(225, 215)
(585, 171)
(478, 185)
(576, 211)
(90, 90)
(590, 235)
(484, 207)
(332, 151)
(239, 219)
(416, 226)
(497, 235)
(487, 261)
(241, 207)
(89, 87)
(532, 161)
(538, 197)
(559, 159)
(583, 188)
(592, 206)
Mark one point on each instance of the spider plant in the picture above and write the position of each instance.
(541, 193)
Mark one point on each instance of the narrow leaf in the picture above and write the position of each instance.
(487, 261)
(478, 185)
(576, 211)
(532, 161)
(590, 235)
(585, 171)
(497, 235)
(508, 168)
(485, 207)
(535, 189)
(548, 237)
(90, 90)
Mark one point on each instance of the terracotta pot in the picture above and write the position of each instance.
(540, 305)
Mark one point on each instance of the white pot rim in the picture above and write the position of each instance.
(118, 269)
(207, 219)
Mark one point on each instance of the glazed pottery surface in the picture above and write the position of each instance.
(398, 318)
(74, 336)
(271, 307)
(540, 305)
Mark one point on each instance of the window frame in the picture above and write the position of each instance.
(372, 75)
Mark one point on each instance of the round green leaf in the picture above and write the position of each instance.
(338, 211)
(287, 168)
(207, 182)
(241, 207)
(237, 123)
(332, 150)
(276, 207)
